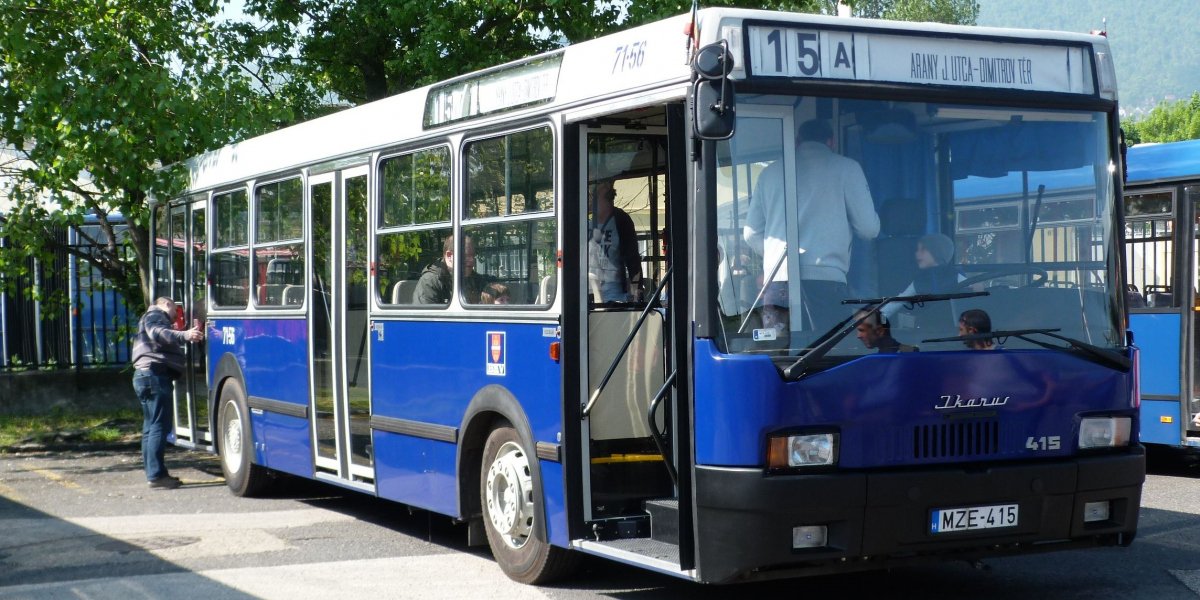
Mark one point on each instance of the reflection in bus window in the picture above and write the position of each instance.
(414, 221)
(278, 251)
(230, 255)
(512, 176)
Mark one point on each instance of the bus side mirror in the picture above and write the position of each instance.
(713, 103)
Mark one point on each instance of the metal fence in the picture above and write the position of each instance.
(95, 330)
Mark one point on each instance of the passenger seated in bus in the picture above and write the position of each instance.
(435, 284)
(976, 321)
(494, 293)
(833, 205)
(875, 332)
(612, 248)
(937, 272)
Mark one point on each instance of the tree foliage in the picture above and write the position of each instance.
(95, 96)
(1167, 122)
(956, 12)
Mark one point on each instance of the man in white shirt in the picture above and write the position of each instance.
(833, 204)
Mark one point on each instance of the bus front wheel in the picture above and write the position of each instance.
(242, 476)
(511, 509)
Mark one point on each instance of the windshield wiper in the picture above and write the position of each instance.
(830, 338)
(1096, 353)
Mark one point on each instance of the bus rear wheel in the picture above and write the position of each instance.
(242, 476)
(511, 510)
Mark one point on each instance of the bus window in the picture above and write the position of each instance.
(278, 249)
(231, 263)
(510, 177)
(1149, 249)
(413, 221)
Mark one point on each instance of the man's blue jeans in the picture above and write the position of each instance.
(155, 392)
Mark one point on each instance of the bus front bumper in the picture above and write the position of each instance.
(878, 519)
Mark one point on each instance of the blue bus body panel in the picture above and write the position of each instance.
(416, 471)
(277, 371)
(878, 401)
(429, 372)
(1154, 430)
(1157, 336)
(1161, 162)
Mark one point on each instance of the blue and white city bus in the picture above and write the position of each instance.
(676, 431)
(1163, 190)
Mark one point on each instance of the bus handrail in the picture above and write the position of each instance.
(654, 300)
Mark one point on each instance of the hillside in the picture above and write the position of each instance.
(1156, 44)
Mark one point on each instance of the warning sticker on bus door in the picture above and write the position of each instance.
(495, 353)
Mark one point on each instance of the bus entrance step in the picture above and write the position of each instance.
(664, 520)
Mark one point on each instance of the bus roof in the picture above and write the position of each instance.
(1149, 163)
(635, 61)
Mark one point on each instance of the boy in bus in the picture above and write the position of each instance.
(875, 332)
(976, 321)
(494, 293)
(435, 284)
(612, 249)
(833, 205)
(937, 273)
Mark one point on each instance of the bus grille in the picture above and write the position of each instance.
(956, 439)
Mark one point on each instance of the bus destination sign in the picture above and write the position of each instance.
(493, 92)
(837, 54)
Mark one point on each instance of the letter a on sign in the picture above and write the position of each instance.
(495, 353)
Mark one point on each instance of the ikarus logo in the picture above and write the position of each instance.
(953, 401)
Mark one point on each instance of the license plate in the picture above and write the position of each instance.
(974, 517)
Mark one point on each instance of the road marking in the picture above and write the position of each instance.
(11, 494)
(1188, 578)
(434, 577)
(59, 479)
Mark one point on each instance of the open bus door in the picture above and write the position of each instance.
(628, 417)
(186, 227)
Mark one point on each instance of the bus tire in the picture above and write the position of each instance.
(511, 509)
(242, 476)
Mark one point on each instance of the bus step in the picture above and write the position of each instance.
(621, 528)
(664, 520)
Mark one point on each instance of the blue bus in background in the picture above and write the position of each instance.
(1161, 198)
(339, 267)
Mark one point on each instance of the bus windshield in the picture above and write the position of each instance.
(825, 206)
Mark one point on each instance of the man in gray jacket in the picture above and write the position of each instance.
(158, 360)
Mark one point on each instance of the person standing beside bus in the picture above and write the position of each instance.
(436, 285)
(158, 360)
(612, 252)
(833, 205)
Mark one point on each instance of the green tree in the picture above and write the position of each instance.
(364, 50)
(96, 96)
(1167, 122)
(957, 12)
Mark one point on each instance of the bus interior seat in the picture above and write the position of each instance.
(901, 223)
(293, 295)
(1133, 297)
(1159, 299)
(402, 292)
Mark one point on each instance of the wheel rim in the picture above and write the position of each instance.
(231, 450)
(509, 492)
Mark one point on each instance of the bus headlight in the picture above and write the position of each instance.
(802, 450)
(1104, 432)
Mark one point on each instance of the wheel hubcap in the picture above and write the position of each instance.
(232, 450)
(509, 492)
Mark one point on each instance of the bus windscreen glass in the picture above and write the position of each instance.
(825, 204)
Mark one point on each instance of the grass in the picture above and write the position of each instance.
(61, 427)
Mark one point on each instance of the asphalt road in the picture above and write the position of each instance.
(84, 525)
